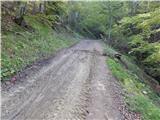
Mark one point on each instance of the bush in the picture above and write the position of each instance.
(142, 40)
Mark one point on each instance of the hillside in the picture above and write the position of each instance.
(30, 41)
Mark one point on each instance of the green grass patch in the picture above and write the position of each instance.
(21, 47)
(145, 106)
(139, 97)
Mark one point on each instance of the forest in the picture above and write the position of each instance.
(131, 27)
(35, 30)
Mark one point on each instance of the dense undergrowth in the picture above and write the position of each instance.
(140, 96)
(22, 46)
(139, 36)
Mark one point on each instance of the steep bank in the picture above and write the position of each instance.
(140, 89)
(22, 46)
(139, 37)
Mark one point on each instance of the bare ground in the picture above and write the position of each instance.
(75, 85)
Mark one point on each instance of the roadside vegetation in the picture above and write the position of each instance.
(22, 48)
(139, 36)
(31, 40)
(140, 97)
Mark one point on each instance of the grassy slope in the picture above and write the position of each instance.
(139, 97)
(20, 47)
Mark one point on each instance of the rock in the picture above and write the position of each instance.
(144, 92)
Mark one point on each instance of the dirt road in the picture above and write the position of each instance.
(75, 85)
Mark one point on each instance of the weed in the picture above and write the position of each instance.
(20, 47)
(140, 97)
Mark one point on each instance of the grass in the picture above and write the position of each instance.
(21, 47)
(146, 104)
(146, 107)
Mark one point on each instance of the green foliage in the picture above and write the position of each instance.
(21, 48)
(55, 8)
(144, 104)
(142, 35)
(93, 18)
(136, 41)
(129, 80)
(45, 19)
(109, 51)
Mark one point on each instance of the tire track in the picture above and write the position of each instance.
(37, 86)
(73, 104)
(74, 86)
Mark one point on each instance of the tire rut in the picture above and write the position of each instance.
(74, 105)
(38, 85)
(74, 86)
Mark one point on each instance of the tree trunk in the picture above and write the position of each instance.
(148, 6)
(34, 8)
(23, 8)
(41, 8)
